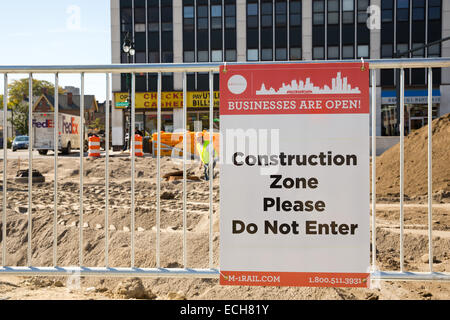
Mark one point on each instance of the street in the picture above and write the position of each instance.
(23, 154)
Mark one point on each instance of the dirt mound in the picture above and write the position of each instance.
(119, 225)
(133, 289)
(416, 161)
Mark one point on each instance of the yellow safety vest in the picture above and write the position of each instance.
(204, 151)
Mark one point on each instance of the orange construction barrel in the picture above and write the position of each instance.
(94, 146)
(138, 151)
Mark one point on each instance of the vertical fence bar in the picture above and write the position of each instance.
(430, 168)
(158, 178)
(108, 89)
(184, 169)
(133, 159)
(5, 157)
(211, 166)
(402, 160)
(81, 168)
(56, 148)
(30, 165)
(374, 167)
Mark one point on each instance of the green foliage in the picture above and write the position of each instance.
(97, 124)
(19, 118)
(18, 90)
(1, 103)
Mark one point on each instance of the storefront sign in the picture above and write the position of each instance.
(294, 180)
(201, 99)
(411, 96)
(149, 100)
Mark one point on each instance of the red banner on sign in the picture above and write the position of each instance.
(304, 279)
(314, 88)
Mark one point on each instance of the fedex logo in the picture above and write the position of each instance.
(44, 124)
(69, 127)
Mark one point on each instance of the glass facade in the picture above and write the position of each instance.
(274, 33)
(209, 35)
(340, 29)
(149, 25)
(407, 25)
(274, 30)
(418, 22)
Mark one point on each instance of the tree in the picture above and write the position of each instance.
(97, 124)
(1, 108)
(18, 89)
(18, 94)
(19, 118)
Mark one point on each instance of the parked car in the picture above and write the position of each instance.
(20, 142)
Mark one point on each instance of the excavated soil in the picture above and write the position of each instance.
(416, 162)
(119, 225)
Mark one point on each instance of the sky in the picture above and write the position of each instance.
(57, 32)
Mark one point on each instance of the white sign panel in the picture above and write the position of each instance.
(294, 184)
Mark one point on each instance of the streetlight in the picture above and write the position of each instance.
(129, 50)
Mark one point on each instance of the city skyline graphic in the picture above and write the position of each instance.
(339, 85)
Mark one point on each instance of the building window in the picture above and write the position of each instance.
(387, 11)
(318, 12)
(333, 29)
(318, 34)
(362, 11)
(266, 30)
(295, 30)
(252, 55)
(230, 55)
(348, 14)
(189, 56)
(348, 52)
(281, 30)
(230, 31)
(363, 33)
(348, 23)
(202, 56)
(386, 51)
(333, 12)
(188, 12)
(296, 53)
(363, 51)
(333, 52)
(216, 55)
(266, 54)
(188, 31)
(280, 54)
(202, 31)
(252, 30)
(318, 53)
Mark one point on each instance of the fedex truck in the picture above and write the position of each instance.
(68, 132)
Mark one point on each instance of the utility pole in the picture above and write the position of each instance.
(128, 48)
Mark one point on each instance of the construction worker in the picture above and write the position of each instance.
(205, 150)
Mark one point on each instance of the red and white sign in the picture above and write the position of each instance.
(294, 89)
(294, 185)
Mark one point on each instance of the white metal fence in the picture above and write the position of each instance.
(212, 271)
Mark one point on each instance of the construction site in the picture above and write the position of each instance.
(198, 224)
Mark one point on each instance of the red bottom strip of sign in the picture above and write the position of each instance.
(294, 279)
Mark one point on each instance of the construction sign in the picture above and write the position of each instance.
(149, 100)
(294, 183)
